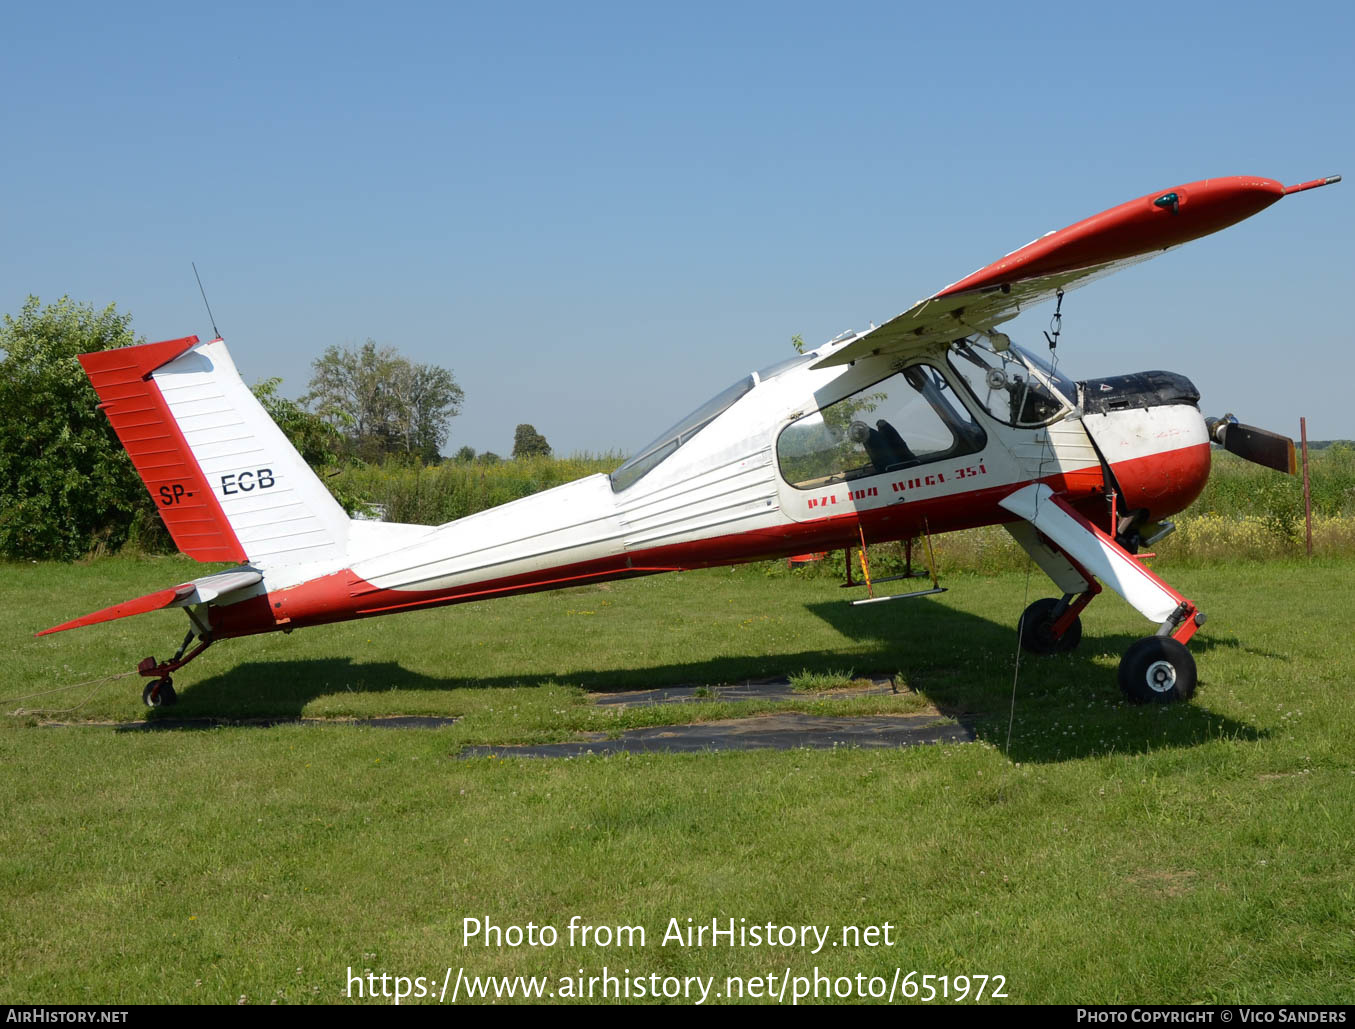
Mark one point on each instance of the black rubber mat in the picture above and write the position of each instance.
(782, 731)
(760, 689)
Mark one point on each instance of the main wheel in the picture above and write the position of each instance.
(1157, 670)
(162, 696)
(1037, 630)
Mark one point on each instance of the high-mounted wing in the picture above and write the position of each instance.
(1070, 257)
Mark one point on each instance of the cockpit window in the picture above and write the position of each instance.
(909, 419)
(1004, 384)
(668, 442)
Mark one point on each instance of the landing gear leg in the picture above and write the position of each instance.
(1157, 669)
(159, 692)
(1052, 626)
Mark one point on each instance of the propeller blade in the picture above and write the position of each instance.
(1260, 446)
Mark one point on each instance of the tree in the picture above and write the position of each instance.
(527, 442)
(383, 404)
(66, 484)
(426, 398)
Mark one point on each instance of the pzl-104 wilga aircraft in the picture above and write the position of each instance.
(931, 422)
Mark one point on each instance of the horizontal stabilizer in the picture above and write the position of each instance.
(199, 591)
(209, 587)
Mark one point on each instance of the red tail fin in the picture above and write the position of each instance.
(142, 420)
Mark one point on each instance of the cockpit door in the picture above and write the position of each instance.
(896, 435)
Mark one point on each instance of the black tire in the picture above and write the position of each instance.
(161, 697)
(1036, 626)
(1157, 670)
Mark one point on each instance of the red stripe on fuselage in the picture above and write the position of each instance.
(332, 598)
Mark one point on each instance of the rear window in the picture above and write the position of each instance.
(667, 443)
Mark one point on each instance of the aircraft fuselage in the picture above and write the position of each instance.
(730, 494)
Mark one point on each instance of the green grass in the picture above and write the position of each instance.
(807, 681)
(1200, 852)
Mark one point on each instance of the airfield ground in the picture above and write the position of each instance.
(1200, 852)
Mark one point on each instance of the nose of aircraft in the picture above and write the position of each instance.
(1149, 428)
(1171, 479)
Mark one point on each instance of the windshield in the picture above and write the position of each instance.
(1002, 381)
(1056, 378)
(667, 442)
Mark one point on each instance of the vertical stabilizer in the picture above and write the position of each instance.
(227, 482)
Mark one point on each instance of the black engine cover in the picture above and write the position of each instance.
(1139, 389)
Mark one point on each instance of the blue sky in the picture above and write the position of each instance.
(599, 215)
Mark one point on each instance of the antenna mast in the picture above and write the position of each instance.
(210, 316)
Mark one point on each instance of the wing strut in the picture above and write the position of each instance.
(1089, 550)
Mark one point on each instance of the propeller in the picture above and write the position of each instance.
(1259, 446)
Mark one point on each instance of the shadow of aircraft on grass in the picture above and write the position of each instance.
(1067, 706)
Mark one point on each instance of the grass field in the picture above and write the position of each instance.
(1200, 852)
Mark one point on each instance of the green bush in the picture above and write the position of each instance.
(1238, 488)
(66, 485)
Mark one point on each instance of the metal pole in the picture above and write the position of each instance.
(1307, 494)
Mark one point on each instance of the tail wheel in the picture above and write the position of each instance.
(159, 693)
(1036, 628)
(1157, 670)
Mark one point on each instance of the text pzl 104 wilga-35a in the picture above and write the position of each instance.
(932, 422)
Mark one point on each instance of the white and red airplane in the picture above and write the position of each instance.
(929, 423)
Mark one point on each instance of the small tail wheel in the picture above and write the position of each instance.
(1157, 670)
(1036, 628)
(159, 693)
